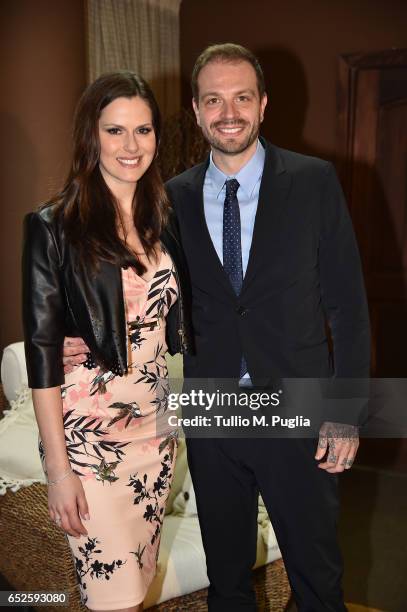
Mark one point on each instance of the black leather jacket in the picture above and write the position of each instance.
(62, 298)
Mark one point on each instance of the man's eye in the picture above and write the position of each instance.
(243, 98)
(114, 131)
(213, 100)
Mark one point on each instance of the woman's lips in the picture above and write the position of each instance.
(129, 162)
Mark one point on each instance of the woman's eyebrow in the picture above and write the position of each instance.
(122, 127)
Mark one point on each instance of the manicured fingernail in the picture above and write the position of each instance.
(87, 517)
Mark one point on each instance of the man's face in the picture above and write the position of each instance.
(229, 110)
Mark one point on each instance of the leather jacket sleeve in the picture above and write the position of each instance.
(179, 325)
(43, 304)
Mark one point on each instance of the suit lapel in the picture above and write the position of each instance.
(274, 188)
(199, 230)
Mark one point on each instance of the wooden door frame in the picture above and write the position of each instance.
(349, 80)
(348, 69)
(356, 71)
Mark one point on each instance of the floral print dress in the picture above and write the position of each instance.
(120, 450)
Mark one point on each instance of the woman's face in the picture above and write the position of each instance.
(127, 141)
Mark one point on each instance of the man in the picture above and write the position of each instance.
(271, 255)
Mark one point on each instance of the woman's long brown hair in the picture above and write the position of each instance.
(88, 208)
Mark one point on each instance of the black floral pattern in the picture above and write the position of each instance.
(64, 390)
(88, 565)
(139, 555)
(136, 339)
(160, 296)
(105, 471)
(104, 447)
(160, 290)
(155, 374)
(143, 492)
(41, 451)
(100, 381)
(78, 430)
(130, 410)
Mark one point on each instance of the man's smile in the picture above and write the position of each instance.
(230, 129)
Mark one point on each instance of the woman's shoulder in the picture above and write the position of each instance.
(44, 226)
(46, 214)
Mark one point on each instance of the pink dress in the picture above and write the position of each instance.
(124, 456)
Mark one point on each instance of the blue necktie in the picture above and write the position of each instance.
(232, 247)
(232, 243)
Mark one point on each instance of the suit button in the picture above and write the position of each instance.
(242, 311)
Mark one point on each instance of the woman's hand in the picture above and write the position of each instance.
(66, 498)
(67, 505)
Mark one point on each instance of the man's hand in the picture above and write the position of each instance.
(75, 353)
(341, 442)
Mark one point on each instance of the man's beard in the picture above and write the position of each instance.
(233, 147)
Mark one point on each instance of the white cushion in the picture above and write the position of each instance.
(181, 473)
(175, 369)
(185, 502)
(20, 463)
(181, 565)
(13, 370)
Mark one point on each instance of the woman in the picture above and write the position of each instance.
(101, 262)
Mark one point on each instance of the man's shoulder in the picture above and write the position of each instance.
(188, 176)
(299, 162)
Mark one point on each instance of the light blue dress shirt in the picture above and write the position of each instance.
(214, 193)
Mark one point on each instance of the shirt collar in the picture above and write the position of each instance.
(248, 176)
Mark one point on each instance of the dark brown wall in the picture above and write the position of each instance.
(298, 42)
(42, 63)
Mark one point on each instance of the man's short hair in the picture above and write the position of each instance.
(226, 52)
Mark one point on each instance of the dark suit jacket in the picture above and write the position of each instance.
(304, 268)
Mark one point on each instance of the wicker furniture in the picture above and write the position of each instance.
(34, 555)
